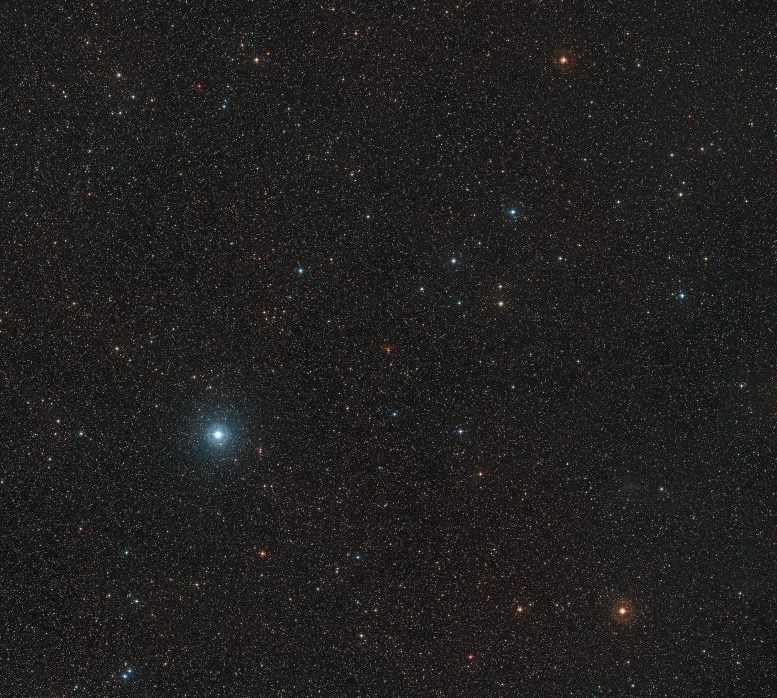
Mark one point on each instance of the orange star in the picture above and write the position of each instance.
(563, 60)
(623, 612)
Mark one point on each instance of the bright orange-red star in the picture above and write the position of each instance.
(563, 60)
(623, 611)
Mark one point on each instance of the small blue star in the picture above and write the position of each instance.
(619, 202)
(681, 295)
(454, 261)
(300, 271)
(394, 413)
(460, 431)
(514, 212)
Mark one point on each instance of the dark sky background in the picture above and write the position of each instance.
(480, 296)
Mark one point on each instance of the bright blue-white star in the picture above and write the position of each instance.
(218, 435)
(454, 261)
(681, 295)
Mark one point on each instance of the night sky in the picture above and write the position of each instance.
(372, 349)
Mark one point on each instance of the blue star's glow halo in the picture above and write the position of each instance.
(218, 435)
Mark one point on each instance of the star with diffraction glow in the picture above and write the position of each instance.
(218, 435)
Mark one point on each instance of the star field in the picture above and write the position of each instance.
(389, 350)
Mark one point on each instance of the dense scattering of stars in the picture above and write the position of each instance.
(388, 350)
